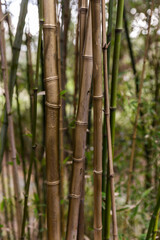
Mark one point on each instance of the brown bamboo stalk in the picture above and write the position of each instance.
(97, 106)
(30, 76)
(108, 127)
(82, 21)
(61, 139)
(11, 127)
(52, 120)
(138, 107)
(80, 136)
(76, 67)
(83, 15)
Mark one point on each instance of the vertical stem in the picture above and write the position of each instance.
(107, 113)
(14, 65)
(154, 215)
(52, 120)
(5, 202)
(80, 136)
(34, 145)
(97, 107)
(114, 83)
(10, 196)
(11, 126)
(109, 34)
(61, 139)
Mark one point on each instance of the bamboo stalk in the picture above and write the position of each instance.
(116, 55)
(52, 120)
(82, 24)
(131, 52)
(109, 34)
(5, 203)
(107, 113)
(154, 215)
(11, 126)
(10, 196)
(76, 66)
(80, 136)
(83, 14)
(97, 117)
(14, 65)
(138, 108)
(155, 230)
(61, 139)
(34, 145)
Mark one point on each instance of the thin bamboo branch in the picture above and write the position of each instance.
(80, 136)
(107, 113)
(11, 127)
(52, 120)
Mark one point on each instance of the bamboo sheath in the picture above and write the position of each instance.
(138, 108)
(11, 127)
(14, 65)
(97, 106)
(107, 118)
(80, 136)
(52, 120)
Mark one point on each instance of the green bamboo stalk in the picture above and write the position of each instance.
(14, 65)
(52, 120)
(80, 136)
(107, 113)
(155, 230)
(97, 113)
(109, 34)
(114, 83)
(11, 125)
(34, 145)
(131, 52)
(154, 216)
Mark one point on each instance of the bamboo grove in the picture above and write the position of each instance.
(79, 120)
